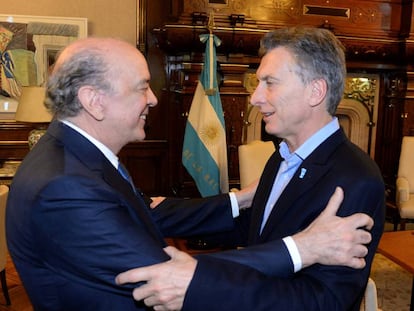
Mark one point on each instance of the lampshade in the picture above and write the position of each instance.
(31, 108)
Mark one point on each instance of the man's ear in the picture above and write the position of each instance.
(91, 100)
(318, 89)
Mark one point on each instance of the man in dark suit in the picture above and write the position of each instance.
(301, 81)
(74, 221)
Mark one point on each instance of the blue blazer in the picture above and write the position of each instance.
(222, 285)
(73, 223)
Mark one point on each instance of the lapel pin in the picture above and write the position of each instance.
(302, 173)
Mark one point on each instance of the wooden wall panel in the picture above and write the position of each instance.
(378, 37)
(376, 18)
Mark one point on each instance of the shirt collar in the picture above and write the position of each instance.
(104, 149)
(312, 142)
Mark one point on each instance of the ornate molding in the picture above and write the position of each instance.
(363, 90)
(289, 8)
(370, 15)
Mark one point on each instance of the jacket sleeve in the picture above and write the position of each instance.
(226, 284)
(223, 285)
(271, 258)
(92, 234)
(192, 217)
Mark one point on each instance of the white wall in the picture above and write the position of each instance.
(105, 17)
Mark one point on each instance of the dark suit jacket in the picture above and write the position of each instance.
(336, 162)
(73, 223)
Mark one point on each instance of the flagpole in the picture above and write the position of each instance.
(211, 23)
(204, 146)
(210, 26)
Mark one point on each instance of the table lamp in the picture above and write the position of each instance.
(31, 109)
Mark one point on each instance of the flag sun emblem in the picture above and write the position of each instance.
(210, 134)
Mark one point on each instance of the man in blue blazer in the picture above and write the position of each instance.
(300, 84)
(74, 221)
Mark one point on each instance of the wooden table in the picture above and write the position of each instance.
(398, 246)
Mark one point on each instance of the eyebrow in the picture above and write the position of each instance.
(268, 77)
(143, 82)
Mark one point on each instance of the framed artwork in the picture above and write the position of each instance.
(28, 48)
(141, 25)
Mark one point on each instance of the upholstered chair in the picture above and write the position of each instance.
(4, 191)
(405, 182)
(370, 301)
(252, 159)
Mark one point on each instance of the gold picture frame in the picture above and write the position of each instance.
(141, 25)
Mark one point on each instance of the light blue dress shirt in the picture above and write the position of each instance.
(288, 167)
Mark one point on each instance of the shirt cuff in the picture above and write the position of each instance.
(294, 253)
(234, 205)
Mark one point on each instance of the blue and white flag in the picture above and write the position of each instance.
(204, 149)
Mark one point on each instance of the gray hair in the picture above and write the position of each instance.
(84, 67)
(319, 55)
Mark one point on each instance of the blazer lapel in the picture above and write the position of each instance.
(262, 194)
(95, 160)
(312, 169)
(135, 202)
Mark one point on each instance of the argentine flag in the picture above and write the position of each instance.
(204, 149)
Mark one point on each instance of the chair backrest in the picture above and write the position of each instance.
(253, 129)
(406, 167)
(370, 301)
(4, 192)
(252, 159)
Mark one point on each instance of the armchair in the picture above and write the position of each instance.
(4, 191)
(252, 159)
(405, 182)
(370, 301)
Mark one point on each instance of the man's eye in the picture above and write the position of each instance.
(142, 90)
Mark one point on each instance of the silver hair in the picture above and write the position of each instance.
(85, 67)
(319, 55)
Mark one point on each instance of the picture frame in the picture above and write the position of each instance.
(141, 24)
(31, 51)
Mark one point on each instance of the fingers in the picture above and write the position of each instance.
(156, 201)
(245, 195)
(334, 203)
(143, 292)
(135, 275)
(366, 237)
(161, 308)
(144, 273)
(358, 260)
(363, 236)
(334, 240)
(165, 283)
(171, 251)
(357, 263)
(352, 252)
(361, 220)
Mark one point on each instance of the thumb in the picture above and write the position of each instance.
(171, 251)
(334, 203)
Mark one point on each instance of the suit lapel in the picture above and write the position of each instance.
(262, 194)
(95, 160)
(313, 168)
(135, 202)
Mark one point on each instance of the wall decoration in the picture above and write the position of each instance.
(28, 47)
